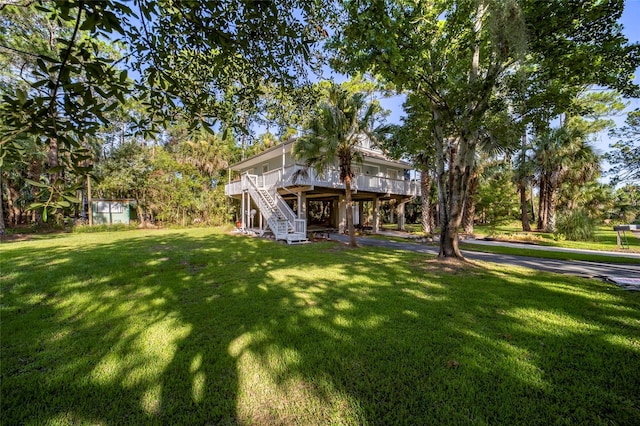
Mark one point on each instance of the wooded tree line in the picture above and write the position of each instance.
(553, 173)
(153, 98)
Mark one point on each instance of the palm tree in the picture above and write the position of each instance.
(523, 179)
(205, 152)
(561, 155)
(332, 136)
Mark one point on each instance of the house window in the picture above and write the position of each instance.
(392, 173)
(265, 168)
(117, 208)
(103, 207)
(357, 170)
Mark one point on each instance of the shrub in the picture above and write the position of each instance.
(576, 225)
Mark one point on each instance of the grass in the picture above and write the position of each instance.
(547, 254)
(200, 327)
(605, 238)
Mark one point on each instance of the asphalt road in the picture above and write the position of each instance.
(605, 271)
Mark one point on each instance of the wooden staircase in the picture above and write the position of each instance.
(282, 221)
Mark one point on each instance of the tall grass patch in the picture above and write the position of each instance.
(576, 225)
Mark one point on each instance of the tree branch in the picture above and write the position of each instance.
(16, 3)
(23, 52)
(66, 58)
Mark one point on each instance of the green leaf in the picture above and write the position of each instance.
(89, 23)
(40, 83)
(42, 65)
(35, 183)
(208, 129)
(22, 95)
(72, 199)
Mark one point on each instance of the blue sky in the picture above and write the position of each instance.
(630, 20)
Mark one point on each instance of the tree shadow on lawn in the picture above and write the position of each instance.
(216, 329)
(576, 341)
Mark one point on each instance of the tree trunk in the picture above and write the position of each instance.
(542, 207)
(52, 159)
(89, 201)
(469, 214)
(452, 191)
(461, 160)
(140, 211)
(522, 185)
(14, 214)
(401, 216)
(551, 201)
(548, 200)
(450, 200)
(551, 214)
(347, 196)
(2, 228)
(460, 166)
(533, 205)
(524, 206)
(425, 189)
(437, 216)
(52, 162)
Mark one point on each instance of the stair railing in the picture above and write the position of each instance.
(280, 227)
(299, 226)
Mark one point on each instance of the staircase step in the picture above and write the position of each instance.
(296, 238)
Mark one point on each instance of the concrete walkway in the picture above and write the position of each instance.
(607, 271)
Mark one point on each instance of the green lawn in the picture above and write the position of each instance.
(548, 254)
(200, 327)
(605, 238)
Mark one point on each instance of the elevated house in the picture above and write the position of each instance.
(279, 194)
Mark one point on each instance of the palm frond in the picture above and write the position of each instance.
(300, 174)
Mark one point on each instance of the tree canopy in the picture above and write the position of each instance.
(470, 58)
(71, 63)
(625, 156)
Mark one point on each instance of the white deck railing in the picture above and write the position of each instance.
(331, 179)
(271, 178)
(233, 188)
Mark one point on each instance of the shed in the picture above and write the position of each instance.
(109, 212)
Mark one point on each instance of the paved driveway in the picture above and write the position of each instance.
(573, 267)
